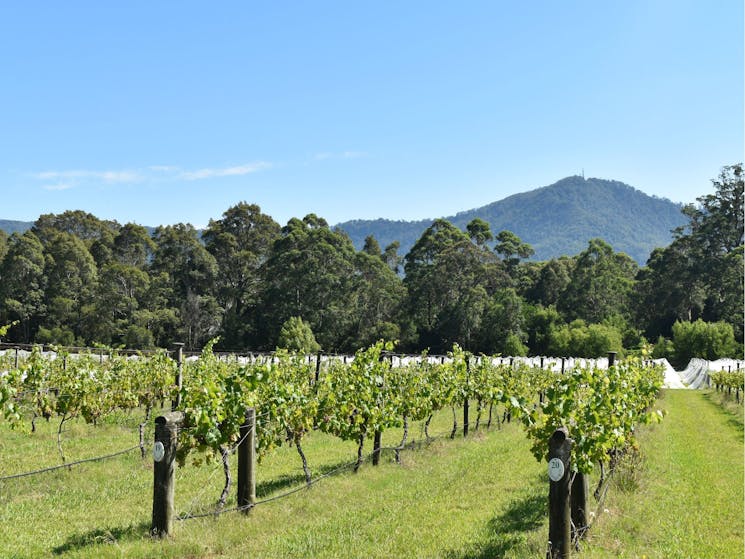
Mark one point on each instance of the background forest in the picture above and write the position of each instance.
(73, 279)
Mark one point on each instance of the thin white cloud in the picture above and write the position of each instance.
(64, 180)
(79, 174)
(238, 170)
(58, 186)
(353, 154)
(339, 155)
(164, 168)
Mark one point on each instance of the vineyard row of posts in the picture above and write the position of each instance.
(356, 399)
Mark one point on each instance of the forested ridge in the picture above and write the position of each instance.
(73, 279)
(556, 220)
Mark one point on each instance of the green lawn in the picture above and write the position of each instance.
(482, 497)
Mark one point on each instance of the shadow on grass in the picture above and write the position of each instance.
(733, 411)
(103, 536)
(510, 529)
(266, 488)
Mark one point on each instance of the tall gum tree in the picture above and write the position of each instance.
(240, 242)
(309, 274)
(600, 285)
(700, 275)
(449, 279)
(186, 274)
(22, 285)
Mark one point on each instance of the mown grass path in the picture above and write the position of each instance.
(686, 501)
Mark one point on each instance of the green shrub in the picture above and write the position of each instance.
(706, 340)
(297, 335)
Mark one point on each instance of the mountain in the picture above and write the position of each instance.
(556, 220)
(10, 226)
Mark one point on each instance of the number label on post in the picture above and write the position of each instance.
(159, 451)
(555, 469)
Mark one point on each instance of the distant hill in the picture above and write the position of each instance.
(556, 220)
(10, 226)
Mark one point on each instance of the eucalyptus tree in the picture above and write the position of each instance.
(309, 274)
(72, 281)
(512, 248)
(717, 228)
(552, 278)
(240, 242)
(22, 285)
(479, 231)
(120, 299)
(391, 257)
(97, 235)
(372, 247)
(3, 245)
(504, 328)
(700, 274)
(449, 279)
(185, 274)
(600, 285)
(669, 289)
(133, 246)
(377, 297)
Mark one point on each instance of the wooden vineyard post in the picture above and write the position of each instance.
(247, 463)
(540, 394)
(465, 400)
(179, 358)
(559, 509)
(318, 366)
(611, 358)
(164, 467)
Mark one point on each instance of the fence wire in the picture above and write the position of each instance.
(70, 464)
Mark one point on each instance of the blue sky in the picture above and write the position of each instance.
(167, 112)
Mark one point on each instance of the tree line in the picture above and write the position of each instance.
(74, 279)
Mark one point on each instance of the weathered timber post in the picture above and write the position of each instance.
(179, 358)
(247, 463)
(563, 362)
(318, 366)
(164, 467)
(559, 510)
(465, 400)
(378, 435)
(540, 394)
(611, 358)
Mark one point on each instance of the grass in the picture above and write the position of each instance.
(440, 502)
(478, 498)
(687, 501)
